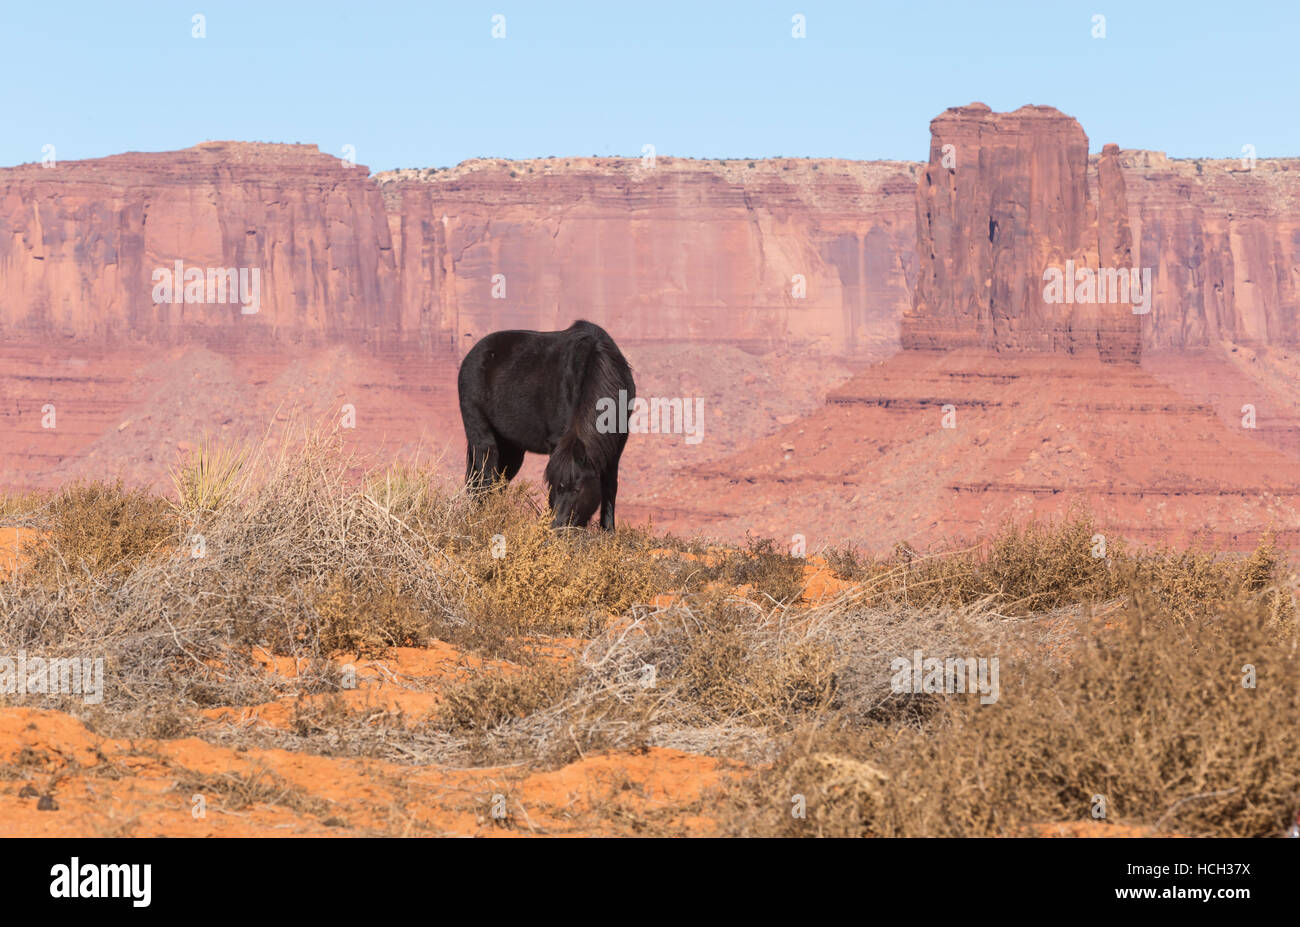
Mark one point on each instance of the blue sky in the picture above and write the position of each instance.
(425, 84)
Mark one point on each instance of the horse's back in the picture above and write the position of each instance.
(522, 347)
(528, 384)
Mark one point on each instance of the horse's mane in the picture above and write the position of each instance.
(606, 372)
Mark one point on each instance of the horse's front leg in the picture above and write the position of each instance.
(608, 491)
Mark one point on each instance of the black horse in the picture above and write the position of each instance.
(538, 392)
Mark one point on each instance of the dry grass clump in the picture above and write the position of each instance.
(729, 660)
(758, 565)
(522, 577)
(1151, 716)
(485, 702)
(365, 619)
(1037, 566)
(97, 528)
(236, 792)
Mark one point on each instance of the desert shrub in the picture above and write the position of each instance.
(769, 571)
(849, 562)
(826, 771)
(1022, 569)
(729, 672)
(486, 701)
(402, 492)
(1151, 715)
(1025, 568)
(1197, 582)
(367, 620)
(1033, 567)
(719, 659)
(694, 566)
(1039, 566)
(525, 578)
(14, 505)
(101, 528)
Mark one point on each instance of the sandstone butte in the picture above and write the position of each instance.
(1220, 238)
(824, 267)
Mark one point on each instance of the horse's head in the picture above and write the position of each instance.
(574, 484)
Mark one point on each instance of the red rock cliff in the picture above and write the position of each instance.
(80, 241)
(1223, 240)
(786, 251)
(758, 253)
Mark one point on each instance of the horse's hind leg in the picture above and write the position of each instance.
(481, 463)
(482, 457)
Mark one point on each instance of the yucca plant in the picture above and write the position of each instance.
(213, 476)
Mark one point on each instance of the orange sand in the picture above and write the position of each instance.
(106, 787)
